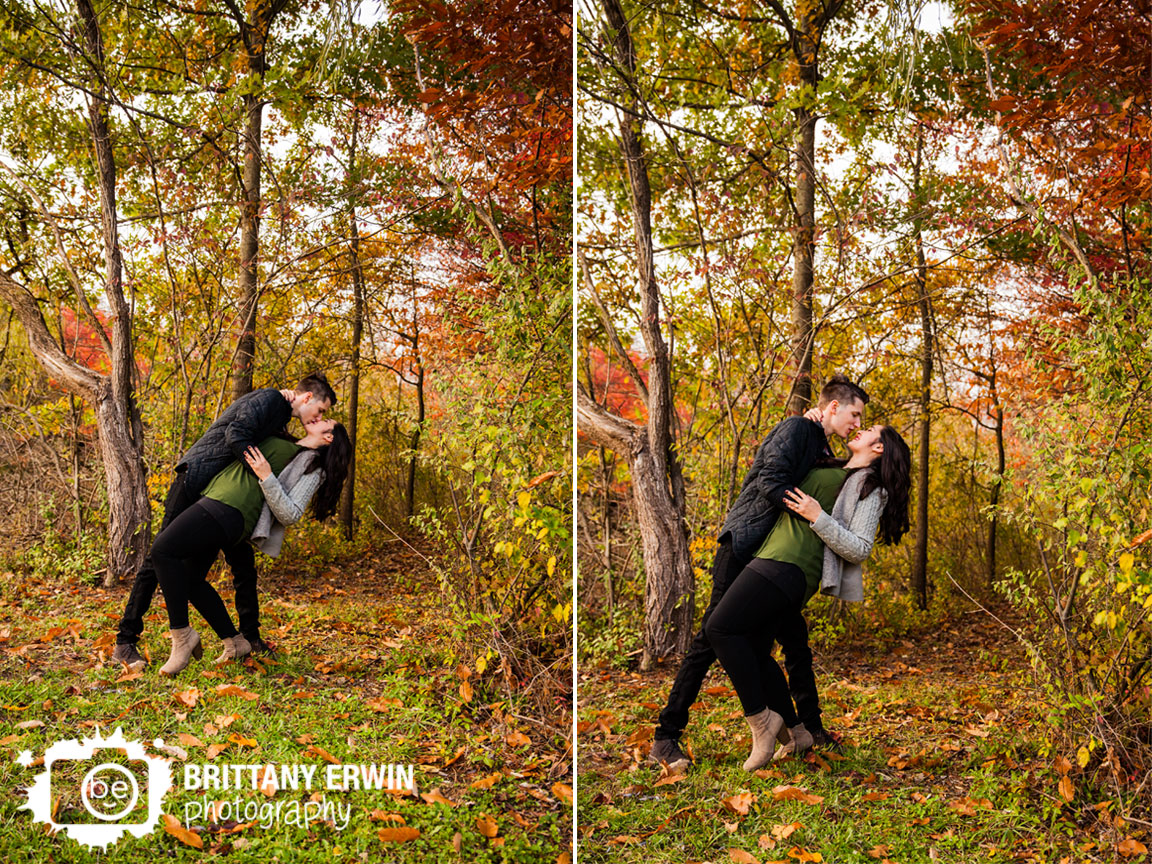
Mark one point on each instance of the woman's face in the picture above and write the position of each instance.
(867, 441)
(320, 430)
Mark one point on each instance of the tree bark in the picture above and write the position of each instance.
(254, 28)
(414, 441)
(994, 497)
(920, 556)
(121, 431)
(657, 483)
(348, 498)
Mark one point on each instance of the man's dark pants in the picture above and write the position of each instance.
(792, 636)
(240, 557)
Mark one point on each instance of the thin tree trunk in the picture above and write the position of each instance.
(254, 30)
(348, 499)
(806, 45)
(657, 482)
(414, 441)
(994, 497)
(920, 557)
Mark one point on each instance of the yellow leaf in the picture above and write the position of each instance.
(551, 565)
(1126, 562)
(1082, 757)
(523, 500)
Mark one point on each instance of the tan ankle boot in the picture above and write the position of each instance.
(185, 646)
(235, 647)
(801, 741)
(765, 727)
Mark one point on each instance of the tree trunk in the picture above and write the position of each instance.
(254, 32)
(121, 430)
(806, 44)
(414, 442)
(994, 497)
(348, 499)
(657, 483)
(920, 557)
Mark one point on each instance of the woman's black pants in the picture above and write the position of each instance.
(743, 629)
(184, 553)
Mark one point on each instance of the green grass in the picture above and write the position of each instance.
(943, 760)
(367, 631)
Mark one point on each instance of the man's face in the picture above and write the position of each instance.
(311, 408)
(845, 418)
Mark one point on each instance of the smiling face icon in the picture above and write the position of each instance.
(101, 792)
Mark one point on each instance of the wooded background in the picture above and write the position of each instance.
(199, 199)
(949, 203)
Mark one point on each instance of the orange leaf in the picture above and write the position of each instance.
(739, 856)
(172, 826)
(517, 739)
(465, 691)
(317, 750)
(1065, 787)
(876, 796)
(485, 782)
(486, 825)
(1130, 846)
(189, 740)
(241, 741)
(233, 690)
(382, 705)
(397, 835)
(434, 797)
(739, 803)
(795, 793)
(188, 697)
(215, 750)
(381, 816)
(563, 792)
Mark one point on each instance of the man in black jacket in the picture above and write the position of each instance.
(785, 457)
(245, 423)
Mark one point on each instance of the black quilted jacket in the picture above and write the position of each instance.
(783, 461)
(244, 423)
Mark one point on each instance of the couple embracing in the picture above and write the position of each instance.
(237, 488)
(804, 522)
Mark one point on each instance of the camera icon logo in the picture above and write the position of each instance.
(120, 795)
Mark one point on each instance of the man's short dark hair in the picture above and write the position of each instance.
(317, 384)
(840, 389)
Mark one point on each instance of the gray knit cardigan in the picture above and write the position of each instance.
(848, 536)
(285, 499)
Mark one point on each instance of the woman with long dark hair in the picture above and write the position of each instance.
(241, 504)
(807, 551)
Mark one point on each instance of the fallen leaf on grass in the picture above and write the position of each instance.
(1130, 846)
(465, 691)
(241, 741)
(739, 803)
(1065, 788)
(30, 724)
(517, 739)
(233, 690)
(739, 856)
(486, 825)
(669, 779)
(969, 806)
(172, 826)
(317, 750)
(189, 740)
(215, 750)
(783, 832)
(795, 793)
(397, 835)
(804, 855)
(383, 704)
(434, 797)
(187, 698)
(563, 792)
(878, 852)
(128, 675)
(876, 796)
(226, 720)
(485, 782)
(381, 816)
